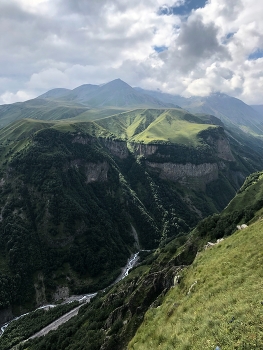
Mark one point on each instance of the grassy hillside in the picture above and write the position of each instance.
(40, 109)
(157, 126)
(171, 128)
(249, 196)
(218, 301)
(233, 112)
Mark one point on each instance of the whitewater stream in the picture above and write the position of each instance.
(81, 298)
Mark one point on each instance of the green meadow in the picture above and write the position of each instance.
(218, 301)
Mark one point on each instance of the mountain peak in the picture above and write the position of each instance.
(117, 84)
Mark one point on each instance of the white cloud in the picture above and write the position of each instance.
(66, 43)
(19, 96)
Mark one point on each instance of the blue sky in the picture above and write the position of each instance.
(258, 53)
(182, 9)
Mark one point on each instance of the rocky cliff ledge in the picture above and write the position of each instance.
(117, 148)
(222, 148)
(187, 174)
(96, 172)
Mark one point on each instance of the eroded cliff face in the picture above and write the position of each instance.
(195, 175)
(187, 174)
(96, 172)
(5, 316)
(116, 147)
(222, 148)
(140, 149)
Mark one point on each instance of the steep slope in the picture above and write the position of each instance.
(165, 97)
(230, 110)
(258, 109)
(54, 93)
(194, 301)
(75, 196)
(218, 301)
(40, 109)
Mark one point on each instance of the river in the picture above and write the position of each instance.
(85, 297)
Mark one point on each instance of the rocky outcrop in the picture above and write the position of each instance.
(187, 174)
(61, 293)
(116, 147)
(140, 149)
(5, 315)
(83, 139)
(136, 298)
(96, 172)
(223, 149)
(40, 290)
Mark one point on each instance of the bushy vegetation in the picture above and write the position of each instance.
(59, 229)
(215, 299)
(28, 325)
(112, 317)
(56, 223)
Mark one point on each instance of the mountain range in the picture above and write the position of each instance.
(90, 102)
(91, 175)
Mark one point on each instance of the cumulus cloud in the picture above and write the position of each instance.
(66, 43)
(196, 42)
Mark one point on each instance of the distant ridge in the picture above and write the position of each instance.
(230, 110)
(91, 102)
(258, 109)
(115, 93)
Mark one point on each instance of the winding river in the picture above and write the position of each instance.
(82, 298)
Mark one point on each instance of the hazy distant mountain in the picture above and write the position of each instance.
(54, 93)
(116, 93)
(90, 102)
(258, 109)
(87, 102)
(162, 96)
(231, 111)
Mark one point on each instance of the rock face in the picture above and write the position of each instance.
(139, 149)
(40, 290)
(116, 148)
(96, 172)
(61, 293)
(222, 147)
(5, 316)
(84, 140)
(187, 174)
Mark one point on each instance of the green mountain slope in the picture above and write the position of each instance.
(40, 109)
(194, 301)
(217, 303)
(73, 194)
(157, 126)
(232, 111)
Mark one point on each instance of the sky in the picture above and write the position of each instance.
(185, 47)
